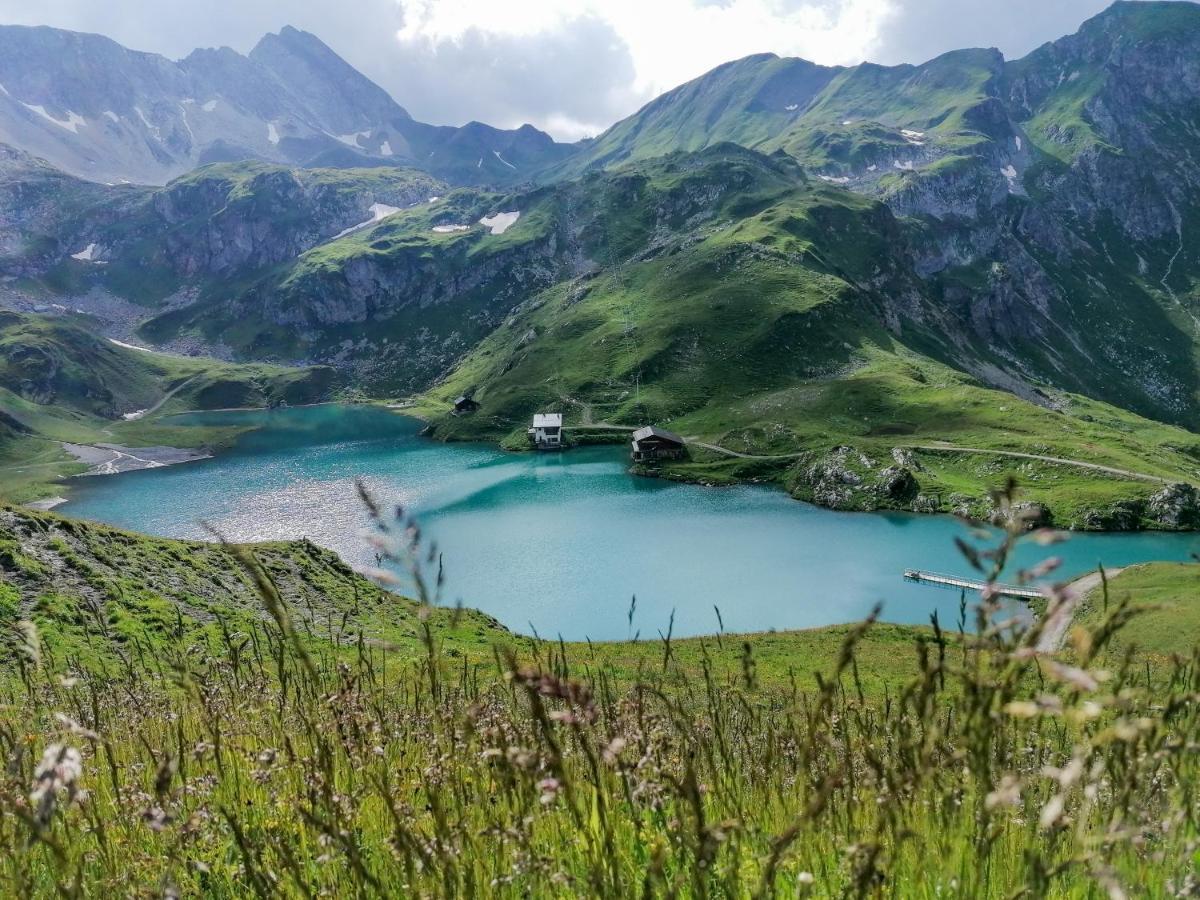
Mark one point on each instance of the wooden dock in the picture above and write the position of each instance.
(969, 584)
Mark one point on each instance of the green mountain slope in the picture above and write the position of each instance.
(1052, 200)
(747, 101)
(788, 330)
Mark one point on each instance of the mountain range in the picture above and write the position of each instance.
(100, 111)
(789, 258)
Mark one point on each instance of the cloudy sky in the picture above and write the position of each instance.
(571, 67)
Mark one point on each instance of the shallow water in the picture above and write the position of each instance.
(561, 542)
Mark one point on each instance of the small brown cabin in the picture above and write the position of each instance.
(465, 404)
(652, 443)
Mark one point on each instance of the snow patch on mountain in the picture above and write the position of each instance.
(500, 222)
(351, 140)
(87, 254)
(379, 212)
(71, 123)
(130, 346)
(186, 123)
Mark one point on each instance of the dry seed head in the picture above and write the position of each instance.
(1051, 812)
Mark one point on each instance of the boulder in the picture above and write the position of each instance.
(897, 484)
(1175, 506)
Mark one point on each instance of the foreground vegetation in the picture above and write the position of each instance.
(183, 719)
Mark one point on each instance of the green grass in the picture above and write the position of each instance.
(150, 588)
(1164, 599)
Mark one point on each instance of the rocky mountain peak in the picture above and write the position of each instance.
(339, 92)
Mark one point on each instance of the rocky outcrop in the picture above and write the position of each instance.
(253, 217)
(846, 478)
(1175, 506)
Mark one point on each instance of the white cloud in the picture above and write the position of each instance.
(670, 41)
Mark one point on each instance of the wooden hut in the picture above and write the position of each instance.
(465, 404)
(652, 442)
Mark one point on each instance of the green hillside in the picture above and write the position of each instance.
(760, 332)
(1164, 599)
(1037, 196)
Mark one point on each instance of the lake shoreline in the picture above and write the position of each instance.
(772, 471)
(669, 472)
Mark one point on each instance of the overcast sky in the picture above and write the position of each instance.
(571, 67)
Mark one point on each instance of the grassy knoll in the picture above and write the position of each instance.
(188, 719)
(97, 593)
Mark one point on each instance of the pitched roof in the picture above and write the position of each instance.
(661, 433)
(547, 420)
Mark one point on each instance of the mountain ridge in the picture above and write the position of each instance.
(100, 111)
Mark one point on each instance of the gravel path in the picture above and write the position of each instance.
(1078, 463)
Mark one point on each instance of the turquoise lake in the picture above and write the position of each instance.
(561, 542)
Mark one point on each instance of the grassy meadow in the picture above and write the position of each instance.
(183, 719)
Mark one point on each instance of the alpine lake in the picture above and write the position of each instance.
(561, 543)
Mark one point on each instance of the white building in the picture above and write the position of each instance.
(546, 433)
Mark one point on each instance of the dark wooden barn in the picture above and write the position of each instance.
(652, 443)
(465, 404)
